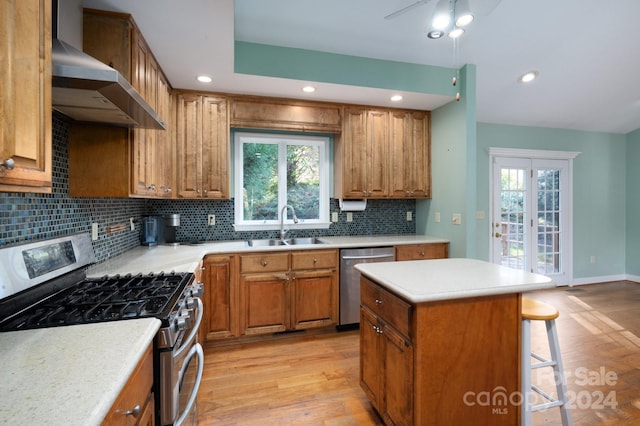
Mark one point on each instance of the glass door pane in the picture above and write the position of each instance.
(513, 217)
(548, 222)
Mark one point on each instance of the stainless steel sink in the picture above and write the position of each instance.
(303, 241)
(288, 242)
(265, 243)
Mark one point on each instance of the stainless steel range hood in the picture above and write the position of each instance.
(87, 90)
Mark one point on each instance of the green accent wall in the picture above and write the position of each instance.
(599, 190)
(310, 65)
(633, 204)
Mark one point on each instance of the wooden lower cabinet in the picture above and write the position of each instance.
(134, 406)
(422, 251)
(432, 363)
(220, 297)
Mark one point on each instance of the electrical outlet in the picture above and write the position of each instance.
(480, 214)
(349, 217)
(437, 217)
(131, 225)
(456, 218)
(409, 216)
(94, 231)
(334, 217)
(211, 219)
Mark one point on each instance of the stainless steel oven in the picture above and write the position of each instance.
(43, 284)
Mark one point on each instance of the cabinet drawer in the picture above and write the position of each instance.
(316, 259)
(422, 251)
(390, 308)
(135, 393)
(264, 262)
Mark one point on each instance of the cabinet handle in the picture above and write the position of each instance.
(377, 329)
(264, 262)
(135, 412)
(168, 190)
(378, 302)
(206, 191)
(8, 164)
(151, 187)
(422, 253)
(315, 260)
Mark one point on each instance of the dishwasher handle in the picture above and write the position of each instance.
(369, 256)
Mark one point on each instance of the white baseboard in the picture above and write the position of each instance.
(604, 279)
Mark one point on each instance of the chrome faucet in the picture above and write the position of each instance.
(283, 231)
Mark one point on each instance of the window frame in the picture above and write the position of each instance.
(323, 144)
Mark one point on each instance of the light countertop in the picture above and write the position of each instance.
(69, 375)
(441, 279)
(185, 258)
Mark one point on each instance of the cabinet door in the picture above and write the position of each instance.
(410, 155)
(377, 154)
(164, 170)
(215, 148)
(370, 362)
(189, 141)
(354, 153)
(220, 306)
(265, 303)
(397, 353)
(25, 97)
(314, 298)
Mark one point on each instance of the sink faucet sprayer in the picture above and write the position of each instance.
(295, 220)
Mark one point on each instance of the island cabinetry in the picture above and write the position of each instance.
(285, 114)
(386, 353)
(135, 404)
(314, 292)
(220, 297)
(456, 352)
(25, 97)
(203, 146)
(120, 162)
(422, 251)
(410, 151)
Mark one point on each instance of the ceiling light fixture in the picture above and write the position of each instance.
(308, 89)
(204, 79)
(449, 16)
(528, 77)
(396, 98)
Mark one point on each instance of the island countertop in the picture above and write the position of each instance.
(69, 375)
(442, 279)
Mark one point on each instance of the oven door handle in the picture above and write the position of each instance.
(194, 331)
(195, 350)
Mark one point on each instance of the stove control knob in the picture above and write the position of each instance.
(181, 323)
(191, 303)
(197, 289)
(185, 315)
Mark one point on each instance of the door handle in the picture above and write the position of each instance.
(498, 235)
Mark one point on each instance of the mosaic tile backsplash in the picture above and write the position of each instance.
(31, 217)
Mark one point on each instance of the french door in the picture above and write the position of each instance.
(531, 204)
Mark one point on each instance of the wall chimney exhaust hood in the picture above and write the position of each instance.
(87, 90)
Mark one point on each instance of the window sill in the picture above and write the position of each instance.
(290, 226)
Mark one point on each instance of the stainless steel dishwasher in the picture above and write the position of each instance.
(350, 280)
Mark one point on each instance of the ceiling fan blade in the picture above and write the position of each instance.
(406, 9)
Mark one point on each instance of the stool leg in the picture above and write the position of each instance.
(526, 373)
(560, 379)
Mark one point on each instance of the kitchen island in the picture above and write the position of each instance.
(440, 340)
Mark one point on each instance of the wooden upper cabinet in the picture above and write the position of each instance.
(25, 95)
(123, 162)
(203, 146)
(383, 153)
(410, 154)
(285, 114)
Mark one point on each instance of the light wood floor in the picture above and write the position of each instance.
(313, 380)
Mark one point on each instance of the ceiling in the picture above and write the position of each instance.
(587, 52)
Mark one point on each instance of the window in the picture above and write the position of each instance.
(275, 170)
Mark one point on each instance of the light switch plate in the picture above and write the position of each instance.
(409, 216)
(211, 219)
(437, 217)
(456, 219)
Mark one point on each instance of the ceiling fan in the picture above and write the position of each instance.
(481, 7)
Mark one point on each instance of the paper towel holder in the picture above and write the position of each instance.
(352, 205)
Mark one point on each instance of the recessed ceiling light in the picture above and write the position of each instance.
(435, 34)
(204, 79)
(528, 77)
(396, 98)
(308, 89)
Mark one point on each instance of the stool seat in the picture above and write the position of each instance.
(538, 311)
